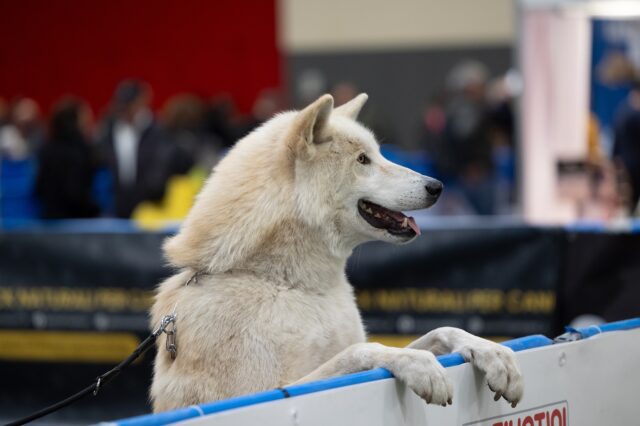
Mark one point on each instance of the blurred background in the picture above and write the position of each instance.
(112, 115)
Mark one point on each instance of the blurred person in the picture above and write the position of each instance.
(431, 137)
(618, 71)
(220, 120)
(22, 135)
(501, 133)
(467, 134)
(626, 148)
(67, 164)
(500, 112)
(138, 152)
(184, 118)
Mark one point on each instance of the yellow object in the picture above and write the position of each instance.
(66, 346)
(394, 340)
(179, 197)
(402, 340)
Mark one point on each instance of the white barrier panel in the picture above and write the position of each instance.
(593, 381)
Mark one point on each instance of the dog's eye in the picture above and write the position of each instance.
(363, 159)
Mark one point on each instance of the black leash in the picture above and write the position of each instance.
(106, 377)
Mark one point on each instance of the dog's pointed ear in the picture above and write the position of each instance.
(352, 108)
(311, 122)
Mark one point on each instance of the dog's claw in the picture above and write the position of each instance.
(449, 401)
(497, 396)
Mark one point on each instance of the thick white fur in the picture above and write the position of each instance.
(272, 230)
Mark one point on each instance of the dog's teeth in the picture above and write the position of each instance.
(404, 222)
(377, 215)
(369, 210)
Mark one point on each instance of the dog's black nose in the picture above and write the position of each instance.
(434, 188)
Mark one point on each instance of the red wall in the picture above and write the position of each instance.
(84, 47)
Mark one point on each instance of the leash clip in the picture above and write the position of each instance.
(168, 327)
(170, 344)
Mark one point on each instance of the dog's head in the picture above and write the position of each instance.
(315, 174)
(341, 177)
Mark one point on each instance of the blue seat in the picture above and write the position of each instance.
(17, 184)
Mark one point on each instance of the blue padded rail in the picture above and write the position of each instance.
(449, 360)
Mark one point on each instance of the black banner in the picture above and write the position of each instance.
(492, 282)
(62, 281)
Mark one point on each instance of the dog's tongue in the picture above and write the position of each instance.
(413, 225)
(399, 216)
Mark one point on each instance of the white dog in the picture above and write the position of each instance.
(262, 300)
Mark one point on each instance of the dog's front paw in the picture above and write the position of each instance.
(421, 371)
(500, 367)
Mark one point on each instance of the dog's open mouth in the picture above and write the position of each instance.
(394, 222)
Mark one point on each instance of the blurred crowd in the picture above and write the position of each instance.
(134, 162)
(128, 163)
